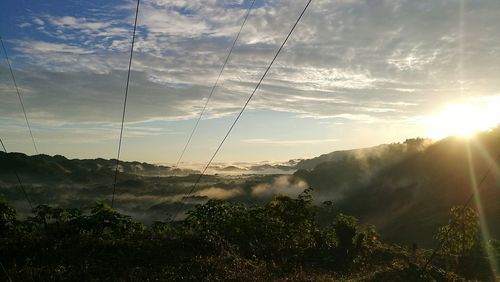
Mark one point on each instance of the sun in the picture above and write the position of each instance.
(465, 119)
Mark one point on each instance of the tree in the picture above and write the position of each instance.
(103, 220)
(345, 231)
(8, 216)
(461, 232)
(461, 245)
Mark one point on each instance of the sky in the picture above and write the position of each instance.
(353, 74)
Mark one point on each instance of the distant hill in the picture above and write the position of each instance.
(407, 189)
(334, 173)
(60, 169)
(393, 151)
(232, 168)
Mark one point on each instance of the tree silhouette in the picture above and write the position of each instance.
(461, 232)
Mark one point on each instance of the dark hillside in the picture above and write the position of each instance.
(62, 170)
(409, 198)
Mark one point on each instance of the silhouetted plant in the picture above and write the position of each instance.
(8, 216)
(461, 244)
(218, 240)
(461, 232)
(345, 231)
(103, 220)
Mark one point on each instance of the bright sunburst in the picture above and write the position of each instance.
(465, 119)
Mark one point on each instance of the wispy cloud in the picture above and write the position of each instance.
(352, 62)
(219, 193)
(364, 59)
(289, 142)
(40, 47)
(280, 185)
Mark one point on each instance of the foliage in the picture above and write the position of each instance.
(8, 216)
(462, 249)
(345, 230)
(461, 233)
(218, 240)
(495, 245)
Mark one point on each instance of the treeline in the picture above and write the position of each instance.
(59, 169)
(286, 239)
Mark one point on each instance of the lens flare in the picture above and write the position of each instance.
(465, 119)
(485, 234)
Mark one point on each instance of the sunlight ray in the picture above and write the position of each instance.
(487, 156)
(461, 23)
(482, 219)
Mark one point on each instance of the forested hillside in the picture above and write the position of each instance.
(59, 168)
(407, 193)
(284, 240)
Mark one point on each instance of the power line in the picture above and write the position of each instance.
(464, 206)
(246, 104)
(6, 273)
(125, 103)
(18, 94)
(215, 84)
(18, 178)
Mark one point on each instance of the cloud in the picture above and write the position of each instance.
(148, 199)
(350, 61)
(219, 193)
(40, 47)
(289, 142)
(38, 21)
(285, 185)
(414, 60)
(69, 22)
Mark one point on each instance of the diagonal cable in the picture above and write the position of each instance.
(6, 273)
(245, 105)
(18, 178)
(215, 84)
(125, 104)
(462, 209)
(18, 94)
